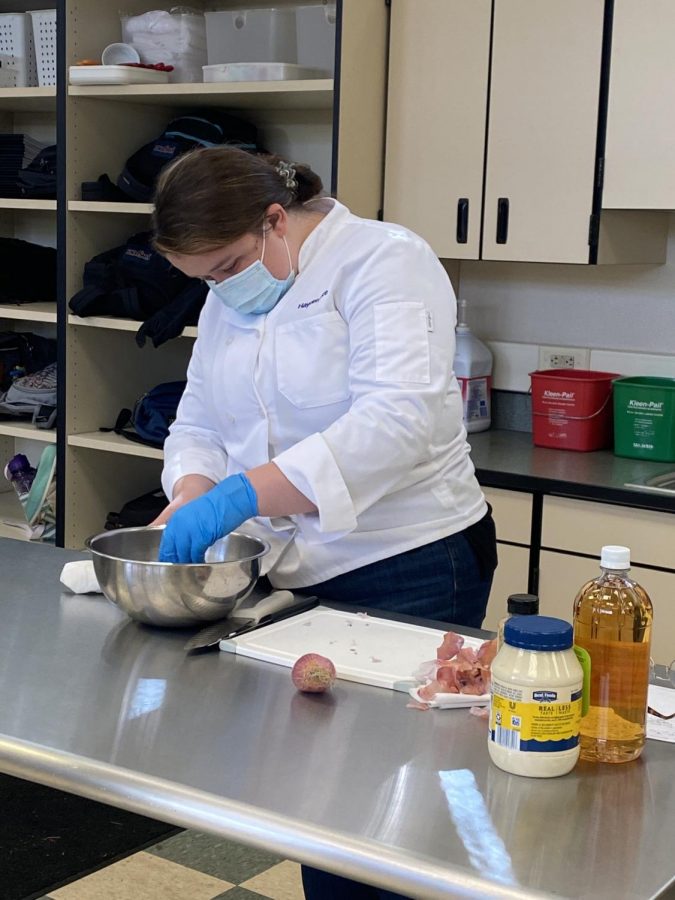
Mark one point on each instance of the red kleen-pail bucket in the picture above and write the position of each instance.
(572, 409)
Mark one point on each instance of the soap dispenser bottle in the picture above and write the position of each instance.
(473, 370)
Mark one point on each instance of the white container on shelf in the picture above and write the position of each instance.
(44, 39)
(254, 71)
(17, 53)
(239, 36)
(316, 36)
(116, 75)
(177, 39)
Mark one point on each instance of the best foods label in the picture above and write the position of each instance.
(534, 721)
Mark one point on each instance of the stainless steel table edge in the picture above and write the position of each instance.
(367, 861)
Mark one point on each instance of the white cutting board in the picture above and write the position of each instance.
(363, 648)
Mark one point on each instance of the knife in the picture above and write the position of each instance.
(276, 606)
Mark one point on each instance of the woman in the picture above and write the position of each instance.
(321, 407)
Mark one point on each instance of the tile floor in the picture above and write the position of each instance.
(190, 866)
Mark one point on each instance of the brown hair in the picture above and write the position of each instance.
(214, 195)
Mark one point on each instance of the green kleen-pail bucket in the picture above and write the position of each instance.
(644, 418)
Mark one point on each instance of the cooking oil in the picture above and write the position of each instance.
(613, 623)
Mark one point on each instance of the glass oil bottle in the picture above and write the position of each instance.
(613, 623)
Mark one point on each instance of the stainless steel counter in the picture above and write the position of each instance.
(508, 459)
(352, 781)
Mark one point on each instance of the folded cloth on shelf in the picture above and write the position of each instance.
(80, 578)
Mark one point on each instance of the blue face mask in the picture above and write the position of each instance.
(255, 290)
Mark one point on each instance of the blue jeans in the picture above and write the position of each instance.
(441, 581)
(444, 581)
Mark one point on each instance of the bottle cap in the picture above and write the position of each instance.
(523, 604)
(538, 633)
(612, 557)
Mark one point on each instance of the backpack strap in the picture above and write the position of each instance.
(124, 418)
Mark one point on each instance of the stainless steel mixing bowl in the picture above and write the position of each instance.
(125, 562)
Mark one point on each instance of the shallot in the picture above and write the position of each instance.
(313, 673)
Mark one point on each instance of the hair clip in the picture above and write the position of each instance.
(287, 172)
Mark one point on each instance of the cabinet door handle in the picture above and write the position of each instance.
(462, 220)
(502, 220)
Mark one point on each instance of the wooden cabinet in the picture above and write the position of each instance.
(492, 133)
(510, 577)
(562, 552)
(579, 526)
(639, 170)
(436, 109)
(562, 575)
(512, 513)
(575, 527)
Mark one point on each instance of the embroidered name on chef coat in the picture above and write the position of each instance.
(308, 303)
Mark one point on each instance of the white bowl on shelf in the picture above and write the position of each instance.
(116, 54)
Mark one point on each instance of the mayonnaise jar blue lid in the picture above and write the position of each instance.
(538, 633)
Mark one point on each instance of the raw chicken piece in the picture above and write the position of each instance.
(415, 704)
(457, 669)
(487, 652)
(452, 644)
(429, 691)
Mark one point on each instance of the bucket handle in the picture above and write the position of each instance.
(554, 414)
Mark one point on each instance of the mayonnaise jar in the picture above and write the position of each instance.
(535, 698)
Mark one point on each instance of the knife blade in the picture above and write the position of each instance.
(233, 626)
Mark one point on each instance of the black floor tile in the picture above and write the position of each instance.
(49, 838)
(238, 893)
(215, 856)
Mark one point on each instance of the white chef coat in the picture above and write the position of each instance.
(347, 385)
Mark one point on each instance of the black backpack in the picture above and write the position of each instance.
(23, 353)
(20, 259)
(38, 179)
(199, 128)
(136, 282)
(138, 512)
(151, 416)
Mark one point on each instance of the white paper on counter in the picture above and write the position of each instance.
(662, 699)
(451, 701)
(80, 578)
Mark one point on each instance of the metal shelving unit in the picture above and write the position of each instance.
(32, 110)
(335, 126)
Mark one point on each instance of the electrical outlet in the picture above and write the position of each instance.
(564, 357)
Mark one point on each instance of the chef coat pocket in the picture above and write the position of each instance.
(312, 360)
(401, 343)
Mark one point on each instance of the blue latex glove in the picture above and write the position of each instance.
(194, 527)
